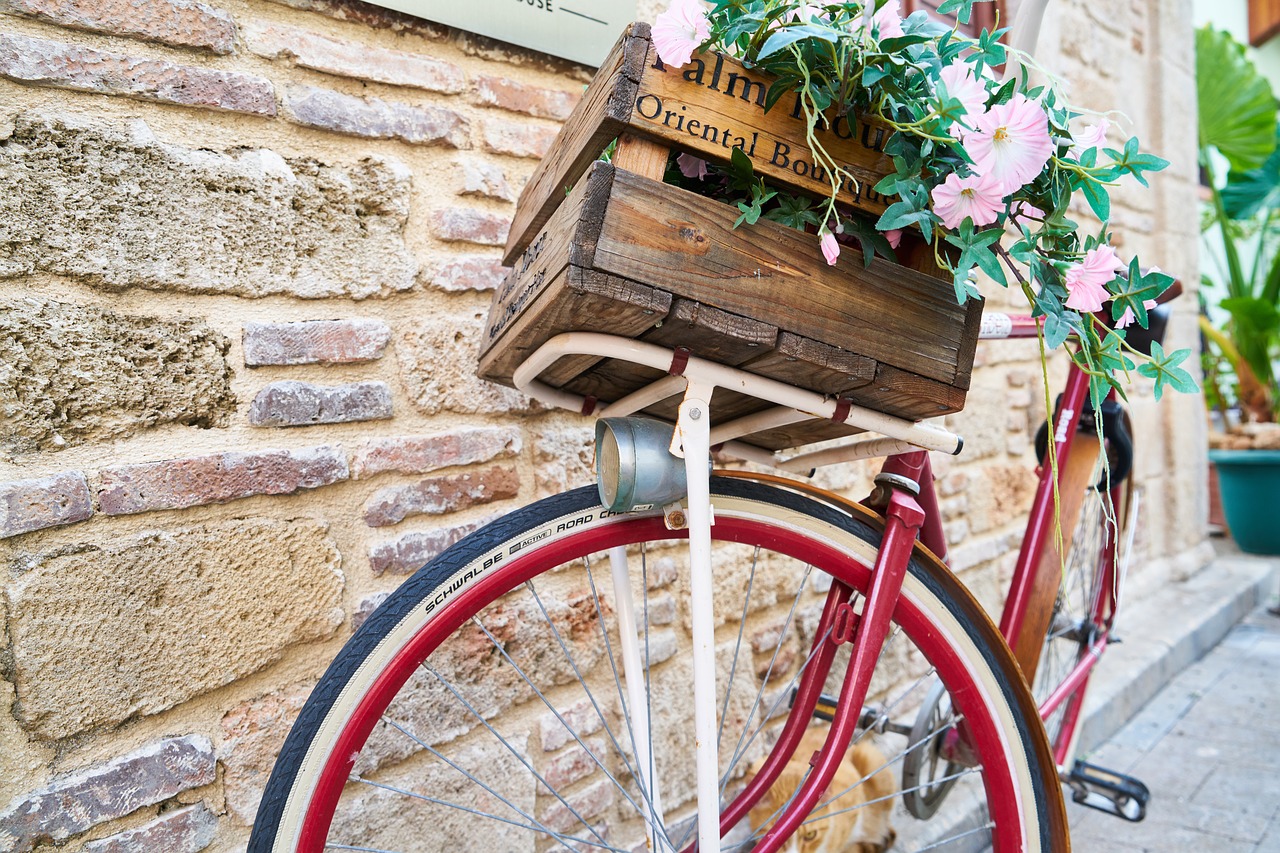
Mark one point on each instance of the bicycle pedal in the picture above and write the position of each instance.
(1108, 791)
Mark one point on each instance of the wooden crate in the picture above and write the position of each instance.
(599, 247)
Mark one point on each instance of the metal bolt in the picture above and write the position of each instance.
(694, 414)
(676, 520)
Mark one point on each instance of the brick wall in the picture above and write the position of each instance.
(245, 250)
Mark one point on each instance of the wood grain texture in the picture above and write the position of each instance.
(641, 156)
(599, 117)
(686, 243)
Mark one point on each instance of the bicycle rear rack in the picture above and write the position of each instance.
(792, 404)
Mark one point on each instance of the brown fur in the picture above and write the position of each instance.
(860, 830)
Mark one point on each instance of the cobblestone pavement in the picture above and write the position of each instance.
(1208, 747)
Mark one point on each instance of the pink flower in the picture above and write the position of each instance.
(1090, 136)
(692, 167)
(1026, 209)
(830, 248)
(1087, 280)
(894, 236)
(957, 198)
(961, 84)
(679, 31)
(1127, 317)
(885, 24)
(1010, 143)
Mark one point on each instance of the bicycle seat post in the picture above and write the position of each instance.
(693, 434)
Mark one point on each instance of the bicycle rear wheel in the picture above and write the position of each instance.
(482, 708)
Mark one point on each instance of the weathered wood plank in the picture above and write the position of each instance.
(641, 156)
(576, 299)
(657, 233)
(712, 334)
(802, 361)
(907, 395)
(570, 235)
(602, 114)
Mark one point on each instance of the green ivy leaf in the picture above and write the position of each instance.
(1165, 371)
(1132, 292)
(963, 9)
(787, 36)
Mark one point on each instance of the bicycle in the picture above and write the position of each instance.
(516, 694)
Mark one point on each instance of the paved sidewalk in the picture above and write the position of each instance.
(1208, 747)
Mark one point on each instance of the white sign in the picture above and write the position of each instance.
(581, 30)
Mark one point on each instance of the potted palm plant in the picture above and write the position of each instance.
(1241, 294)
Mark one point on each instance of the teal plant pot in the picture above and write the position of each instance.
(1249, 483)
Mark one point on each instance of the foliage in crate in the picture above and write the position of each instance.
(973, 156)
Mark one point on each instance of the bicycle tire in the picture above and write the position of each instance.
(945, 627)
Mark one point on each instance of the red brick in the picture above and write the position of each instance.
(180, 23)
(353, 59)
(41, 62)
(518, 140)
(375, 118)
(252, 734)
(486, 180)
(181, 483)
(290, 404)
(522, 98)
(187, 830)
(366, 608)
(574, 764)
(471, 226)
(439, 495)
(410, 552)
(107, 791)
(473, 272)
(588, 803)
(422, 454)
(582, 717)
(315, 342)
(27, 505)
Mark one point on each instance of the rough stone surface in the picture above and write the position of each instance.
(41, 62)
(291, 403)
(422, 454)
(523, 98)
(437, 366)
(412, 551)
(352, 59)
(476, 272)
(292, 226)
(221, 477)
(438, 495)
(563, 458)
(180, 23)
(27, 505)
(163, 617)
(107, 791)
(252, 734)
(590, 802)
(72, 374)
(384, 820)
(582, 717)
(465, 225)
(484, 676)
(315, 342)
(375, 118)
(187, 830)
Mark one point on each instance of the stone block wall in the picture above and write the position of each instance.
(246, 247)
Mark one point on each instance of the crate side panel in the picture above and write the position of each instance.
(685, 243)
(599, 117)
